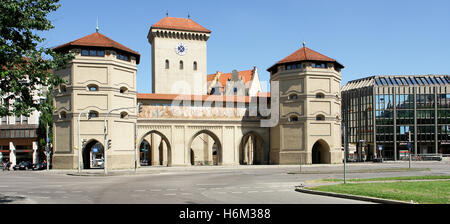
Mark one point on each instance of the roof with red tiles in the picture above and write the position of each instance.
(184, 24)
(306, 54)
(246, 76)
(98, 40)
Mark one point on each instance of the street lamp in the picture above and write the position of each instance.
(104, 135)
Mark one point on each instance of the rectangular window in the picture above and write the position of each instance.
(18, 120)
(93, 53)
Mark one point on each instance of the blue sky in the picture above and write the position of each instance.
(367, 37)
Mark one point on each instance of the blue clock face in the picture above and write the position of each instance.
(181, 49)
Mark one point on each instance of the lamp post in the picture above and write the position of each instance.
(104, 137)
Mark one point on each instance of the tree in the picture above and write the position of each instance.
(25, 68)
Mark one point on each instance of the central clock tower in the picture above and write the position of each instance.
(179, 62)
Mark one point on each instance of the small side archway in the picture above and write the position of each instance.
(158, 154)
(93, 155)
(251, 150)
(321, 153)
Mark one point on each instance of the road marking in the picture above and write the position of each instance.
(139, 190)
(218, 188)
(155, 190)
(3, 186)
(244, 187)
(251, 192)
(77, 191)
(267, 191)
(221, 192)
(238, 192)
(60, 192)
(259, 187)
(170, 194)
(171, 189)
(186, 193)
(43, 197)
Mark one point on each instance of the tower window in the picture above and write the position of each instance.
(195, 66)
(320, 96)
(63, 115)
(92, 88)
(123, 115)
(181, 65)
(94, 53)
(123, 57)
(293, 118)
(167, 64)
(318, 65)
(93, 114)
(320, 118)
(123, 89)
(292, 97)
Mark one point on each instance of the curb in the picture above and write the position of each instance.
(353, 197)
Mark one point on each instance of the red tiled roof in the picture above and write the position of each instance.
(217, 98)
(305, 54)
(173, 23)
(98, 40)
(246, 76)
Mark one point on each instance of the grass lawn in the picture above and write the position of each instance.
(424, 192)
(390, 178)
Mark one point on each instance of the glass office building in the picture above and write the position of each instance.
(385, 116)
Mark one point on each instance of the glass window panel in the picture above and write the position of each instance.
(101, 53)
(393, 81)
(388, 81)
(419, 81)
(383, 81)
(92, 53)
(378, 82)
(84, 53)
(409, 81)
(424, 81)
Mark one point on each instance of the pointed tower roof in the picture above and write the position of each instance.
(305, 54)
(173, 23)
(97, 40)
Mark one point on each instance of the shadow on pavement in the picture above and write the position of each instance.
(4, 199)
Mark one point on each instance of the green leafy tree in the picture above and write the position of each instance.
(25, 68)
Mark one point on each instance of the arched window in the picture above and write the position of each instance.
(92, 88)
(123, 89)
(320, 95)
(293, 97)
(93, 114)
(124, 115)
(195, 66)
(167, 64)
(320, 117)
(181, 65)
(63, 115)
(293, 118)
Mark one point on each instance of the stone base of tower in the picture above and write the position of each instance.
(115, 162)
(65, 162)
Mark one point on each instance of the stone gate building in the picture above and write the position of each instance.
(192, 118)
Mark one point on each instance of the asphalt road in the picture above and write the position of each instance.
(196, 185)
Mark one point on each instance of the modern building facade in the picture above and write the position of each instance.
(388, 112)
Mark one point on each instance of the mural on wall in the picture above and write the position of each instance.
(154, 111)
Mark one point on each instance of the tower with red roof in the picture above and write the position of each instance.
(179, 60)
(309, 120)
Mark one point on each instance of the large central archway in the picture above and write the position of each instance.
(93, 155)
(204, 148)
(321, 153)
(251, 150)
(155, 149)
